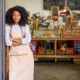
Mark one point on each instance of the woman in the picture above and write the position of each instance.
(17, 35)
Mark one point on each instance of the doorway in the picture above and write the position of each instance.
(2, 41)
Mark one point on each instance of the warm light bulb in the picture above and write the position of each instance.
(64, 10)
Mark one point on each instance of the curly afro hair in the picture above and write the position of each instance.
(22, 11)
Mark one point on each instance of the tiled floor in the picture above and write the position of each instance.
(56, 71)
(48, 70)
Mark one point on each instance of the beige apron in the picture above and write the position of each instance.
(21, 61)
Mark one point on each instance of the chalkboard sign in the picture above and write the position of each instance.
(55, 11)
(75, 15)
(64, 18)
(73, 4)
(68, 21)
(48, 3)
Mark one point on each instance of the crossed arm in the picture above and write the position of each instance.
(16, 42)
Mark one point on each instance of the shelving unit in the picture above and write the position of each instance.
(74, 57)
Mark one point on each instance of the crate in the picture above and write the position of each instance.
(70, 32)
(41, 51)
(69, 51)
(60, 53)
(75, 22)
(49, 52)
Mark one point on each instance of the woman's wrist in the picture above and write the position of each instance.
(13, 39)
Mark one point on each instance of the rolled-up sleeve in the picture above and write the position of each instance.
(27, 38)
(7, 31)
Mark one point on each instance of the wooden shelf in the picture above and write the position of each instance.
(55, 38)
(75, 57)
(56, 56)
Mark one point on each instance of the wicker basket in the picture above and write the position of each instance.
(60, 53)
(70, 32)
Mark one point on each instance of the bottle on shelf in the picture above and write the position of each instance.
(40, 21)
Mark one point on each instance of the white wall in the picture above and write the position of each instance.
(33, 6)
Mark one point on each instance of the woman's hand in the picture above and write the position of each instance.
(10, 38)
(24, 35)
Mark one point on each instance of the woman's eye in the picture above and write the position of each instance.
(13, 15)
(16, 15)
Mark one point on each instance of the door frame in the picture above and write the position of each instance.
(2, 41)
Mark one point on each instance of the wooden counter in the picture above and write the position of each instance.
(36, 38)
(56, 56)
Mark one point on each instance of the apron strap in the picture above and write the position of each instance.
(22, 31)
(10, 30)
(20, 28)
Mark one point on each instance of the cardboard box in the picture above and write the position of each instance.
(41, 51)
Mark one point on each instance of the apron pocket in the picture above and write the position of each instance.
(23, 62)
(13, 63)
(18, 62)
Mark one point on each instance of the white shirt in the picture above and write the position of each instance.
(57, 24)
(16, 28)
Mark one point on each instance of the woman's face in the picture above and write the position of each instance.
(16, 16)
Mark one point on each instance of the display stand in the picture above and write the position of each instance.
(74, 57)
